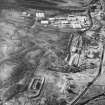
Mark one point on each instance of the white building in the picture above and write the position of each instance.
(44, 22)
(40, 15)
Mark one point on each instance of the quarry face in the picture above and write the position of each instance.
(52, 52)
